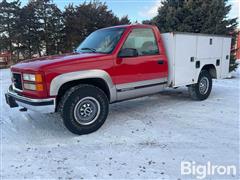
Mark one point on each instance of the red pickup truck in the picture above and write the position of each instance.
(115, 64)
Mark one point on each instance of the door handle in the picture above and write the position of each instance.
(160, 62)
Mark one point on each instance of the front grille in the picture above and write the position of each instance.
(17, 81)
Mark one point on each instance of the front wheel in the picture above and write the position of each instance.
(203, 88)
(84, 109)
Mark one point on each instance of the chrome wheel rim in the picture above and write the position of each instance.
(87, 111)
(204, 85)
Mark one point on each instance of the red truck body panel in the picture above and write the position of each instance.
(238, 46)
(121, 70)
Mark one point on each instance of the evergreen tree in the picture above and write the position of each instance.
(30, 41)
(40, 28)
(124, 20)
(197, 16)
(9, 15)
(49, 18)
(70, 27)
(3, 43)
(82, 20)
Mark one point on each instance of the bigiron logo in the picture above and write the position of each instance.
(201, 171)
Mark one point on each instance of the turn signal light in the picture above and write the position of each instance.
(38, 78)
(39, 87)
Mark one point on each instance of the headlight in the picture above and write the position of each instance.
(32, 77)
(29, 77)
(33, 87)
(33, 82)
(30, 86)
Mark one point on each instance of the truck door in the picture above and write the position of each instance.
(149, 67)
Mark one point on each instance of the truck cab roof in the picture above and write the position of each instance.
(131, 26)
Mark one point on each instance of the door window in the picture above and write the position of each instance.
(143, 40)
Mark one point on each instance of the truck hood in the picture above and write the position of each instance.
(38, 64)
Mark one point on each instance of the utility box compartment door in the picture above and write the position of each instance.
(184, 64)
(209, 47)
(225, 57)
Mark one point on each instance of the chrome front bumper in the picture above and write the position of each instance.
(40, 105)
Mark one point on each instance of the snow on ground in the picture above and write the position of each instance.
(142, 138)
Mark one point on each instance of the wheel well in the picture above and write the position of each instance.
(100, 83)
(211, 69)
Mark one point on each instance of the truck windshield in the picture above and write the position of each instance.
(101, 41)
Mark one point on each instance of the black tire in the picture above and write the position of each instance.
(79, 97)
(198, 91)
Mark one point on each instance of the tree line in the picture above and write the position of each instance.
(41, 28)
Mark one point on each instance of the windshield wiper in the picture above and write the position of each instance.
(91, 49)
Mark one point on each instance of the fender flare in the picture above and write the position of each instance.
(215, 73)
(59, 80)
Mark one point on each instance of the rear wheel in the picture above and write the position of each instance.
(203, 88)
(84, 109)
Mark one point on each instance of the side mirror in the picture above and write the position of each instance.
(128, 52)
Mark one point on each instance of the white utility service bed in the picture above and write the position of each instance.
(188, 52)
